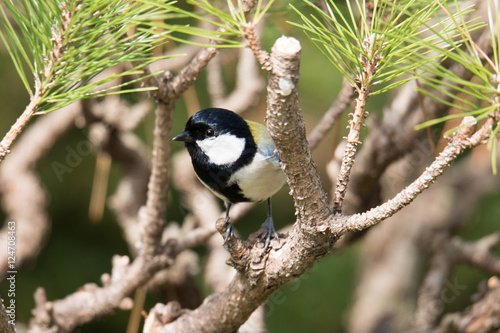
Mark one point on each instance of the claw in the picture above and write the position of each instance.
(269, 231)
(229, 226)
(269, 226)
(229, 232)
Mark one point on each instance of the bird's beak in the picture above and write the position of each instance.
(184, 137)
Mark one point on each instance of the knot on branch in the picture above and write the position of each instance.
(162, 314)
(43, 317)
(119, 266)
(4, 151)
(466, 128)
(163, 82)
(248, 257)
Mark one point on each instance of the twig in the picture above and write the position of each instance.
(40, 88)
(370, 62)
(169, 89)
(478, 253)
(254, 44)
(19, 125)
(462, 140)
(395, 137)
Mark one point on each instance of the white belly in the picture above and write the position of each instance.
(260, 179)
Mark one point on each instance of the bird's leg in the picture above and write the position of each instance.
(229, 226)
(269, 226)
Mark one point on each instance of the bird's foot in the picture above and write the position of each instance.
(269, 231)
(229, 233)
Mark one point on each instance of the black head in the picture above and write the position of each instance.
(219, 142)
(213, 122)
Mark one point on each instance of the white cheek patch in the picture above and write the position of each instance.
(223, 149)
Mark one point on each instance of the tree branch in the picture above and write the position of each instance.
(395, 136)
(18, 126)
(461, 140)
(259, 274)
(286, 127)
(482, 317)
(152, 214)
(370, 64)
(93, 302)
(19, 185)
(83, 306)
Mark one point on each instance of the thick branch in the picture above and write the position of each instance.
(152, 215)
(92, 302)
(286, 127)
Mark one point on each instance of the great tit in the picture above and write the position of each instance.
(235, 159)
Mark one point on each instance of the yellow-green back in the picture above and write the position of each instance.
(262, 138)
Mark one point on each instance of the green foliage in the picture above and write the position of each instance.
(229, 20)
(64, 45)
(399, 37)
(387, 36)
(479, 97)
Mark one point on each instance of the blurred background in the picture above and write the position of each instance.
(78, 250)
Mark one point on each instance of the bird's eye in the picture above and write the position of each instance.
(210, 132)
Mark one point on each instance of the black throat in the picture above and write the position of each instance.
(217, 176)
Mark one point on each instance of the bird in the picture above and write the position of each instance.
(235, 159)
